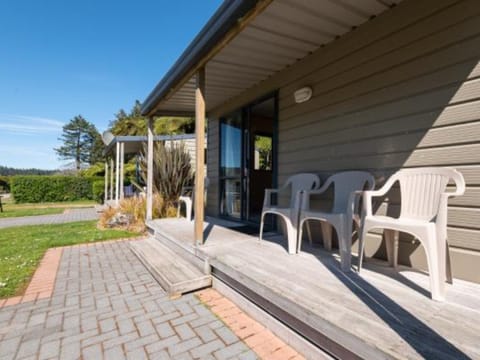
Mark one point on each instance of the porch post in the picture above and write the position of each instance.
(150, 169)
(122, 162)
(117, 173)
(200, 155)
(111, 178)
(105, 195)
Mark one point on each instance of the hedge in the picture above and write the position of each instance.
(4, 184)
(34, 189)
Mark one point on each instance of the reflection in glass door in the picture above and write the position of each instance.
(247, 159)
(231, 142)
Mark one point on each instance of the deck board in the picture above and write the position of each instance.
(382, 313)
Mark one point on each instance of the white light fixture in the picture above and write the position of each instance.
(303, 94)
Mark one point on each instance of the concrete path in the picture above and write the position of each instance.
(106, 305)
(71, 215)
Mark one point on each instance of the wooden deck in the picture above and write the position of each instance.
(380, 314)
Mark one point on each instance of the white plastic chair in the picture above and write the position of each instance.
(297, 184)
(187, 198)
(347, 186)
(423, 214)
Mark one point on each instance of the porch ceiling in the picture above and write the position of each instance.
(280, 35)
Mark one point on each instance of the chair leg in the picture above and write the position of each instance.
(436, 258)
(327, 235)
(362, 233)
(262, 219)
(448, 264)
(291, 237)
(309, 232)
(302, 223)
(188, 210)
(345, 245)
(391, 243)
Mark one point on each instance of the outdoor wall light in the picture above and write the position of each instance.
(303, 94)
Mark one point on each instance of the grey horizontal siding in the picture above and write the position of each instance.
(402, 90)
(411, 100)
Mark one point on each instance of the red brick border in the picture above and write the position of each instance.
(43, 280)
(261, 340)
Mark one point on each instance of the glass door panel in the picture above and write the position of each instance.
(231, 165)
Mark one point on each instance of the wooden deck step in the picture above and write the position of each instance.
(175, 274)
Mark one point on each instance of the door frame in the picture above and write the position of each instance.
(244, 111)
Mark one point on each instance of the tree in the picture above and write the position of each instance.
(133, 123)
(81, 142)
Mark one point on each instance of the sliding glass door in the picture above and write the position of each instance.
(231, 165)
(247, 159)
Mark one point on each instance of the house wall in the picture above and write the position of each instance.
(402, 90)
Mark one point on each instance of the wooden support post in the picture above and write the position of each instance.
(122, 162)
(199, 200)
(111, 178)
(105, 195)
(150, 169)
(117, 173)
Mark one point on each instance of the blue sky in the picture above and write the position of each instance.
(61, 58)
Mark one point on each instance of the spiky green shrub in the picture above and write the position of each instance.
(172, 170)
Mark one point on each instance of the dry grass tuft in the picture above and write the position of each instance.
(131, 212)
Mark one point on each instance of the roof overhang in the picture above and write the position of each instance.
(133, 144)
(248, 41)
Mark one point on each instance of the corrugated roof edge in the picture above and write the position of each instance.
(216, 28)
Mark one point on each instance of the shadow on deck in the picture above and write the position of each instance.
(381, 314)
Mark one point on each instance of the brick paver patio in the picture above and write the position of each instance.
(71, 215)
(105, 305)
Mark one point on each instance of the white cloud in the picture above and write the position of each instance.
(28, 125)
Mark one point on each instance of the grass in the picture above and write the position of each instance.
(22, 248)
(10, 209)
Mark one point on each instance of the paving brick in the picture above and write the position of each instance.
(164, 330)
(205, 333)
(185, 332)
(184, 346)
(231, 351)
(50, 349)
(70, 351)
(93, 352)
(115, 352)
(9, 347)
(227, 336)
(162, 345)
(28, 348)
(200, 352)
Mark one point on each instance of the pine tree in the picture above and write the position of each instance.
(81, 142)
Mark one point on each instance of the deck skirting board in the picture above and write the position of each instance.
(252, 292)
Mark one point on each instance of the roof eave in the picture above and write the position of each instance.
(216, 28)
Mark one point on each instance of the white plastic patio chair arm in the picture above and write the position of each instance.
(267, 200)
(459, 183)
(353, 203)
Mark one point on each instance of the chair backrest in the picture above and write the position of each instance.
(344, 183)
(421, 190)
(301, 182)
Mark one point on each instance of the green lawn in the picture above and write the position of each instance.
(11, 209)
(22, 248)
